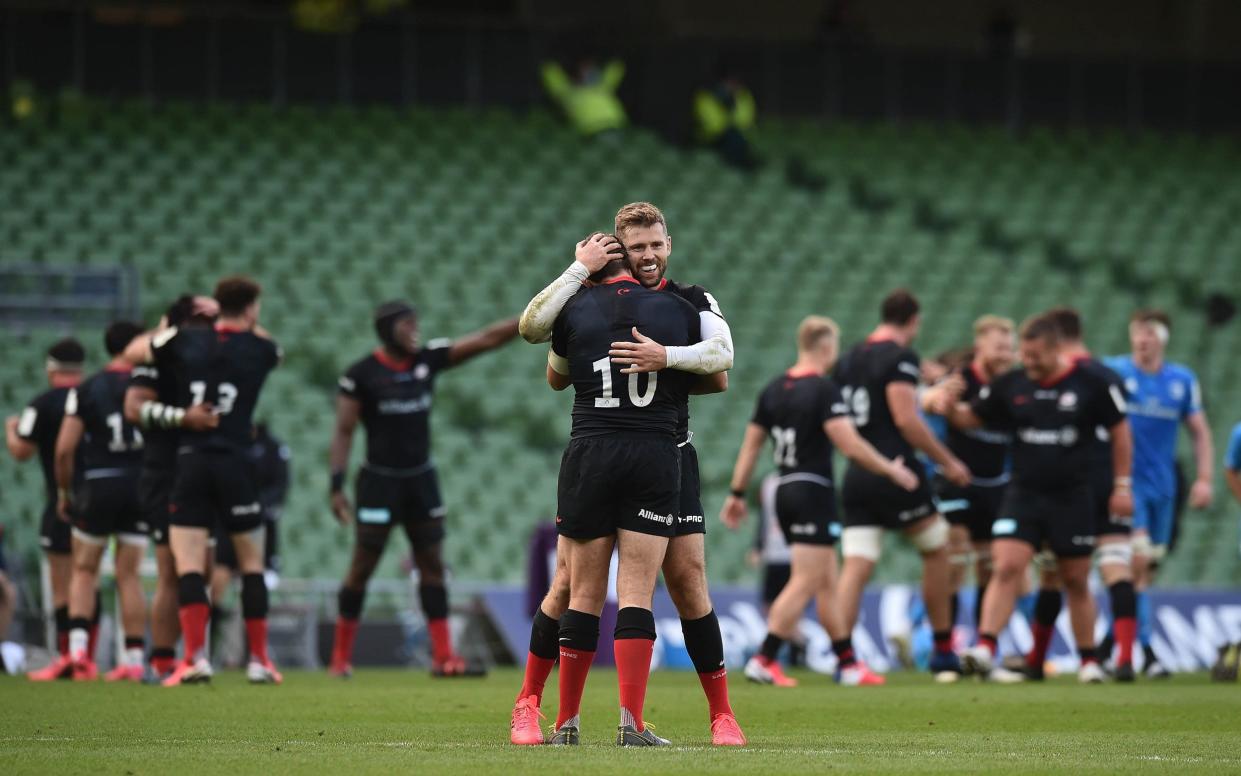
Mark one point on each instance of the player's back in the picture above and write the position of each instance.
(793, 408)
(863, 375)
(40, 423)
(225, 367)
(110, 441)
(608, 402)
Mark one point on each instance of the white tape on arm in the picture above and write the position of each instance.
(540, 314)
(712, 355)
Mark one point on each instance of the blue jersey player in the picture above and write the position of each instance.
(1162, 396)
(1232, 464)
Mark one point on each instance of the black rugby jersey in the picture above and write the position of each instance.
(39, 424)
(983, 450)
(396, 403)
(221, 366)
(1053, 423)
(703, 302)
(607, 401)
(110, 441)
(863, 375)
(793, 408)
(1101, 442)
(161, 443)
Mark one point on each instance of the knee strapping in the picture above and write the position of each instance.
(932, 538)
(191, 589)
(633, 622)
(579, 631)
(862, 541)
(1116, 554)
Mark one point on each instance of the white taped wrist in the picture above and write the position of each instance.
(540, 314)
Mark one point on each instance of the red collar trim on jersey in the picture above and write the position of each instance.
(874, 339)
(1080, 357)
(395, 364)
(796, 373)
(979, 375)
(1056, 379)
(120, 369)
(621, 279)
(663, 283)
(66, 382)
(224, 328)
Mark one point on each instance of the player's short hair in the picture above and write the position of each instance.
(67, 353)
(956, 358)
(236, 293)
(1041, 327)
(614, 266)
(899, 307)
(640, 215)
(993, 323)
(1068, 320)
(813, 329)
(119, 334)
(1151, 315)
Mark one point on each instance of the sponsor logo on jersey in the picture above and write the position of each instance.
(1067, 400)
(689, 518)
(647, 514)
(915, 513)
(1066, 436)
(421, 371)
(247, 509)
(404, 406)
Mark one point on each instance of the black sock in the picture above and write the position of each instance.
(704, 643)
(634, 622)
(434, 600)
(349, 603)
(844, 652)
(1087, 655)
(579, 631)
(79, 622)
(62, 619)
(943, 641)
(978, 599)
(253, 597)
(1149, 655)
(1124, 600)
(771, 646)
(163, 652)
(191, 589)
(135, 642)
(1047, 607)
(544, 636)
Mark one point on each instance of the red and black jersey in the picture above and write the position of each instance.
(863, 375)
(39, 424)
(1101, 446)
(703, 302)
(793, 408)
(608, 402)
(110, 441)
(1053, 423)
(983, 450)
(221, 366)
(161, 443)
(396, 403)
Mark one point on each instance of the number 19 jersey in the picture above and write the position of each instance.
(863, 375)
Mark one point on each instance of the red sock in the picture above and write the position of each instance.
(1042, 640)
(537, 671)
(93, 641)
(441, 639)
(162, 665)
(194, 628)
(574, 667)
(256, 635)
(342, 645)
(715, 686)
(1125, 629)
(633, 669)
(988, 643)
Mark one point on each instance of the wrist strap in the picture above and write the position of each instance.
(739, 493)
(338, 482)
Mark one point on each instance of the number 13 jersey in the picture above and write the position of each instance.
(608, 402)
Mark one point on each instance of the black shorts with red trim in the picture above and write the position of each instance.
(215, 487)
(1061, 520)
(618, 482)
(872, 500)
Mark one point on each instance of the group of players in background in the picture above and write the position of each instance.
(1049, 457)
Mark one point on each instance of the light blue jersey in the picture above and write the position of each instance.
(1158, 404)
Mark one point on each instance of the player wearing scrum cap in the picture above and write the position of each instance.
(390, 392)
(1162, 396)
(34, 432)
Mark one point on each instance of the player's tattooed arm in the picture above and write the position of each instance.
(535, 324)
(735, 509)
(490, 338)
(348, 411)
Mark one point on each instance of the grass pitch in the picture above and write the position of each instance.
(386, 721)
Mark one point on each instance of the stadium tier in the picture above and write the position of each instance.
(469, 213)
